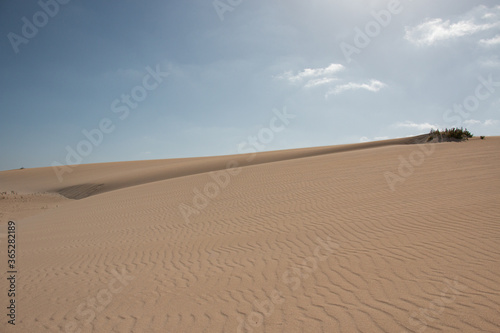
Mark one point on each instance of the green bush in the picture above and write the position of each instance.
(454, 133)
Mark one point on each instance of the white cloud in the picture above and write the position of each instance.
(488, 122)
(310, 73)
(312, 78)
(435, 30)
(491, 62)
(420, 127)
(472, 122)
(490, 42)
(373, 85)
(431, 31)
(319, 82)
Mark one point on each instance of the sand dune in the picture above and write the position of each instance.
(307, 240)
(89, 179)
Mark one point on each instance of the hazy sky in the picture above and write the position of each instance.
(164, 79)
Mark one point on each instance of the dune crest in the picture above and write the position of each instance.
(91, 179)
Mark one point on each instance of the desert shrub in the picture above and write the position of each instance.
(454, 133)
(482, 137)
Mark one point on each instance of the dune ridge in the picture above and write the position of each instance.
(91, 179)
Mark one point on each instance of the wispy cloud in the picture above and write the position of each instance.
(472, 122)
(490, 62)
(328, 77)
(312, 74)
(488, 122)
(490, 42)
(420, 127)
(434, 30)
(373, 86)
(319, 82)
(313, 77)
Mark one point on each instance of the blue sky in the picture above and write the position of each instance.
(346, 70)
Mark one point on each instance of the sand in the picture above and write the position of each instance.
(374, 237)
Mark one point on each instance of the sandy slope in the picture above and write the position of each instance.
(90, 179)
(315, 244)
